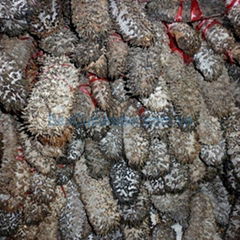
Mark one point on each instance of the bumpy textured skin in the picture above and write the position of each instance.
(39, 156)
(46, 19)
(14, 171)
(117, 52)
(155, 186)
(42, 188)
(157, 123)
(98, 125)
(234, 16)
(219, 38)
(112, 145)
(233, 133)
(183, 145)
(75, 150)
(213, 155)
(233, 73)
(197, 171)
(140, 232)
(177, 179)
(14, 85)
(144, 69)
(233, 231)
(186, 37)
(202, 225)
(208, 63)
(135, 212)
(48, 229)
(13, 16)
(118, 90)
(73, 222)
(175, 206)
(9, 222)
(98, 67)
(220, 200)
(91, 18)
(218, 95)
(167, 10)
(163, 232)
(125, 182)
(159, 99)
(131, 22)
(83, 107)
(136, 144)
(102, 93)
(62, 42)
(159, 159)
(98, 165)
(183, 82)
(64, 173)
(51, 100)
(99, 203)
(209, 128)
(87, 51)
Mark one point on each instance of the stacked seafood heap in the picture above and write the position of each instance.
(120, 119)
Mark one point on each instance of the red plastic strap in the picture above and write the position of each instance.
(141, 111)
(178, 17)
(229, 56)
(63, 190)
(199, 26)
(24, 38)
(83, 89)
(196, 12)
(93, 78)
(186, 58)
(37, 54)
(209, 25)
(231, 4)
(116, 37)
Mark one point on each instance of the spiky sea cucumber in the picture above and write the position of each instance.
(91, 19)
(14, 85)
(99, 203)
(132, 22)
(51, 100)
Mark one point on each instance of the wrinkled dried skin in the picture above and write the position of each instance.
(186, 37)
(202, 225)
(91, 18)
(136, 144)
(14, 82)
(132, 23)
(117, 52)
(208, 63)
(47, 19)
(99, 203)
(51, 101)
(166, 10)
(184, 145)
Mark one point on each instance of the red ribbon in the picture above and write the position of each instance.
(229, 56)
(231, 4)
(196, 13)
(207, 27)
(141, 111)
(172, 44)
(93, 78)
(178, 17)
(84, 90)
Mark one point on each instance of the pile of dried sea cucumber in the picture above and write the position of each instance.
(119, 119)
